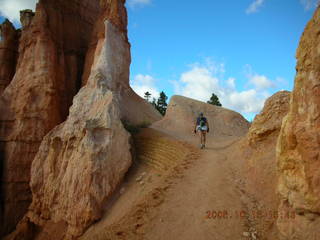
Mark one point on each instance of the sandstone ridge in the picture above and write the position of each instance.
(182, 112)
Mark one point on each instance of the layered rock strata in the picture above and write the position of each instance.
(298, 148)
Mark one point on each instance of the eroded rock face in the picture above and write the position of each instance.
(52, 51)
(258, 155)
(134, 109)
(298, 148)
(268, 121)
(182, 113)
(50, 71)
(80, 162)
(26, 17)
(9, 38)
(116, 13)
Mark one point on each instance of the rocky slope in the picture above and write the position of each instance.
(182, 113)
(298, 153)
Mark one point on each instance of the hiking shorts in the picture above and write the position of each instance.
(204, 128)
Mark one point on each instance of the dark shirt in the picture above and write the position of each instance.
(201, 118)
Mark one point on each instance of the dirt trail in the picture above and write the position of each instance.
(199, 198)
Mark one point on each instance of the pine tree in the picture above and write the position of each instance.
(147, 96)
(214, 100)
(161, 105)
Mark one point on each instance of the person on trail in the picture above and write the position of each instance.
(202, 126)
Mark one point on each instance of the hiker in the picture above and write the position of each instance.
(202, 126)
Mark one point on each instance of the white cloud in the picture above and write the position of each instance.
(248, 101)
(261, 81)
(11, 8)
(231, 83)
(309, 4)
(145, 83)
(134, 3)
(200, 81)
(257, 80)
(197, 82)
(254, 6)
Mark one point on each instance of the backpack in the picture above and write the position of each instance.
(202, 122)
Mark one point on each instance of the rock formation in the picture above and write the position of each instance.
(134, 109)
(48, 74)
(9, 38)
(268, 122)
(258, 154)
(182, 113)
(81, 161)
(26, 17)
(298, 148)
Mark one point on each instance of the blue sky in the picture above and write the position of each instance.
(244, 51)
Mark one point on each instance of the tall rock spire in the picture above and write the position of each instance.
(9, 38)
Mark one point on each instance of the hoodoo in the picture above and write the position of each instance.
(65, 45)
(51, 54)
(9, 38)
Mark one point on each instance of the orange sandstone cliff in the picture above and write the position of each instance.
(259, 166)
(298, 148)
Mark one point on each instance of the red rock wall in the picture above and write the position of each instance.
(52, 53)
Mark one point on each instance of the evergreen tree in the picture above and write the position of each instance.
(161, 105)
(147, 96)
(214, 100)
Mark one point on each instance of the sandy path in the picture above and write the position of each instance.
(207, 186)
(180, 205)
